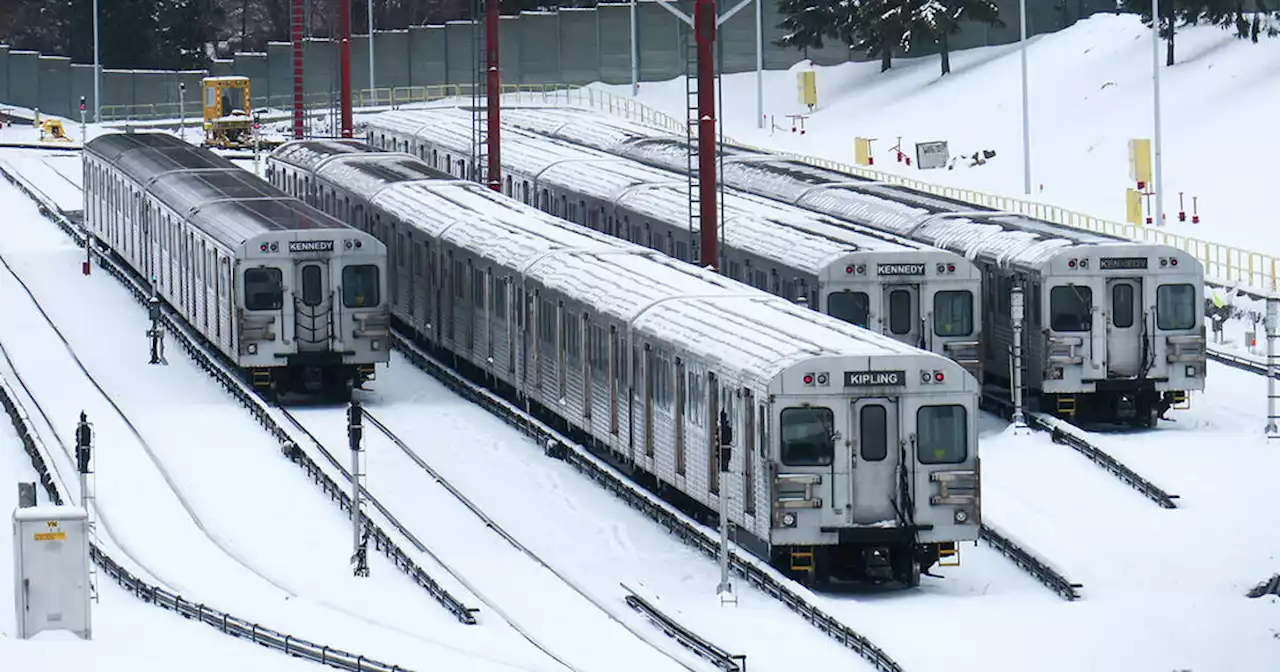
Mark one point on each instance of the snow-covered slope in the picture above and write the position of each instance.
(1090, 92)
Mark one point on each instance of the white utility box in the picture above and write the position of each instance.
(51, 570)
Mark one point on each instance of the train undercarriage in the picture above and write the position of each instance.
(319, 378)
(875, 563)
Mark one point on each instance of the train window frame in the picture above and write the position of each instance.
(865, 439)
(852, 295)
(1163, 310)
(949, 454)
(312, 285)
(1116, 313)
(257, 277)
(819, 455)
(352, 275)
(1084, 323)
(941, 307)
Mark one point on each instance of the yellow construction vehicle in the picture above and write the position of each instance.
(227, 112)
(51, 129)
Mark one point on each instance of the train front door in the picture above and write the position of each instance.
(313, 306)
(874, 460)
(1124, 327)
(902, 313)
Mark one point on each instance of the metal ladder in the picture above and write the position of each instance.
(479, 100)
(691, 133)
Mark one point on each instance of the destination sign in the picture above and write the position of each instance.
(900, 269)
(874, 378)
(311, 246)
(1122, 263)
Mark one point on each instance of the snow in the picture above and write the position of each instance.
(50, 511)
(1090, 92)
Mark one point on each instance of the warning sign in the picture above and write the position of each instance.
(51, 536)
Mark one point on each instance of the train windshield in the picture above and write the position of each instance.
(953, 313)
(1176, 306)
(808, 436)
(1071, 308)
(263, 289)
(852, 307)
(360, 286)
(943, 433)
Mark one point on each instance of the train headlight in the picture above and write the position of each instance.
(252, 348)
(376, 344)
(275, 247)
(1191, 371)
(348, 245)
(962, 516)
(788, 519)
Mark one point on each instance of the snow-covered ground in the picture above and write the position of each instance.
(1090, 92)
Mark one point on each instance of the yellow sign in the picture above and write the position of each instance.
(807, 84)
(862, 151)
(51, 536)
(1133, 206)
(52, 523)
(1140, 160)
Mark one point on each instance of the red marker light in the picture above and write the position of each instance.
(1072, 263)
(848, 269)
(808, 380)
(951, 268)
(938, 376)
(263, 247)
(1173, 262)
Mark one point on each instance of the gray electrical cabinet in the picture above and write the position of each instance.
(51, 570)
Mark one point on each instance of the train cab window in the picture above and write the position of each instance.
(1176, 307)
(873, 432)
(312, 291)
(360, 286)
(1071, 308)
(263, 289)
(953, 313)
(1122, 305)
(942, 433)
(900, 312)
(807, 436)
(852, 307)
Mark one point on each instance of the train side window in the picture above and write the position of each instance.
(508, 189)
(852, 307)
(1122, 305)
(435, 158)
(873, 432)
(1176, 306)
(263, 289)
(477, 288)
(953, 313)
(807, 436)
(360, 286)
(524, 192)
(1071, 308)
(942, 433)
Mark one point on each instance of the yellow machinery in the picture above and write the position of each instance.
(52, 129)
(227, 119)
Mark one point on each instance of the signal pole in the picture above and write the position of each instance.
(344, 56)
(704, 28)
(493, 84)
(299, 122)
(355, 430)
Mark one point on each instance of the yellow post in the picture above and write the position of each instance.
(807, 81)
(1133, 206)
(862, 151)
(1140, 161)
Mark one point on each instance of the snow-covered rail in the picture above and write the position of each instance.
(205, 358)
(1238, 362)
(221, 620)
(722, 659)
(1068, 435)
(515, 543)
(1037, 568)
(696, 535)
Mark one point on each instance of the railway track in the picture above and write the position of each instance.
(1241, 363)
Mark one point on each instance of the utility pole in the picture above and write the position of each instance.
(97, 69)
(1273, 364)
(299, 120)
(355, 430)
(182, 110)
(372, 85)
(493, 86)
(1155, 74)
(344, 57)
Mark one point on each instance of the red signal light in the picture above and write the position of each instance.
(938, 376)
(808, 379)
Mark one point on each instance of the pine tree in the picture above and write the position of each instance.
(939, 19)
(185, 30)
(806, 22)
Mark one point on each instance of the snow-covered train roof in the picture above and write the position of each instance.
(724, 323)
(309, 154)
(219, 198)
(790, 236)
(1007, 239)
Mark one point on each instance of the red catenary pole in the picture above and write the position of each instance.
(704, 27)
(298, 115)
(344, 56)
(493, 85)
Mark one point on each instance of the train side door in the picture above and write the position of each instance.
(1124, 326)
(313, 306)
(902, 313)
(874, 458)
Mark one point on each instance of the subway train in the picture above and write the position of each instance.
(293, 297)
(846, 454)
(1113, 329)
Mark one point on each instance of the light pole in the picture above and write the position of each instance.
(1026, 107)
(372, 86)
(97, 70)
(1158, 217)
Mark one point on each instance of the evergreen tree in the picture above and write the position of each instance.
(185, 30)
(806, 22)
(939, 19)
